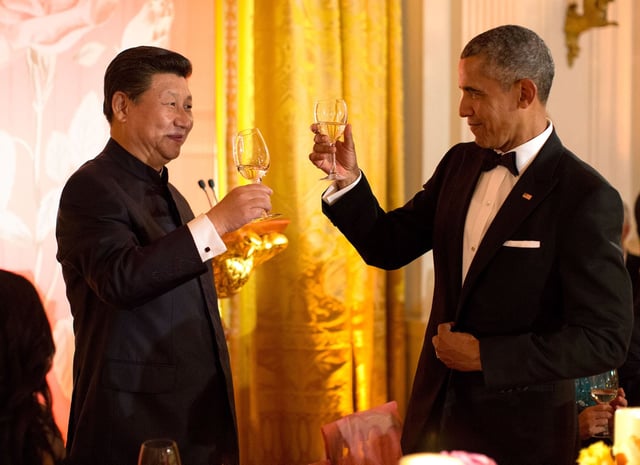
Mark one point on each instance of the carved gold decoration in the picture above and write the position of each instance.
(594, 15)
(247, 248)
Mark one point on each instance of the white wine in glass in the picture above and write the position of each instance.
(604, 388)
(331, 117)
(251, 155)
(159, 452)
(252, 159)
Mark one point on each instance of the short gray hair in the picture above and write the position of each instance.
(512, 53)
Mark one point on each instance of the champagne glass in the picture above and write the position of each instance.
(331, 117)
(604, 388)
(251, 157)
(159, 452)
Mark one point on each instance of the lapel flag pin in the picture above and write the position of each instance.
(527, 196)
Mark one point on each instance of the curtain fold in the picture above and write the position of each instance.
(315, 334)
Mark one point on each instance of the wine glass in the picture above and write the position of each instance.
(159, 452)
(604, 388)
(251, 157)
(331, 117)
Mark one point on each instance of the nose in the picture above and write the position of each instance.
(184, 119)
(464, 109)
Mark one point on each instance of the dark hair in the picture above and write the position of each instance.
(132, 69)
(27, 427)
(512, 53)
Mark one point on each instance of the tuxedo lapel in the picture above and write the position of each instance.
(456, 206)
(532, 188)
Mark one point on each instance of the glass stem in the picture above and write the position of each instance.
(333, 161)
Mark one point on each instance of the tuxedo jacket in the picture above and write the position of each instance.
(547, 295)
(151, 358)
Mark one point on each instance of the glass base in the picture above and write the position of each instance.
(332, 177)
(268, 217)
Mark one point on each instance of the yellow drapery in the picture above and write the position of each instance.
(315, 334)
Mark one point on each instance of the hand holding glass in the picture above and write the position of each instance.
(604, 388)
(159, 452)
(251, 157)
(331, 117)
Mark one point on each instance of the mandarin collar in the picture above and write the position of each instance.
(135, 166)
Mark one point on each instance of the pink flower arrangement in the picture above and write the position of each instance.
(468, 458)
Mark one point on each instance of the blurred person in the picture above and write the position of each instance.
(630, 370)
(151, 358)
(530, 292)
(595, 418)
(632, 247)
(28, 432)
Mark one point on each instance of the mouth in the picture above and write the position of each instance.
(473, 127)
(179, 138)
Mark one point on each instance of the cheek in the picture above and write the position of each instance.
(494, 116)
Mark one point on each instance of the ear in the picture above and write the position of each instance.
(120, 106)
(528, 92)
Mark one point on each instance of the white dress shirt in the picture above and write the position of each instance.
(492, 189)
(206, 237)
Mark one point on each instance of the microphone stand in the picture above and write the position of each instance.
(213, 192)
(202, 186)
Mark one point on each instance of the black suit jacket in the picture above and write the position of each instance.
(544, 315)
(151, 359)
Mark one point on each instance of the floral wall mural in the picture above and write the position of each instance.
(53, 54)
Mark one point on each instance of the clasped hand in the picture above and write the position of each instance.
(458, 351)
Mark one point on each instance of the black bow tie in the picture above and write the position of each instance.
(493, 159)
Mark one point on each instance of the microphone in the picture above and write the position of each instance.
(212, 186)
(202, 186)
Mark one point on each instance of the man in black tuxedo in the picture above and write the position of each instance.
(531, 289)
(151, 358)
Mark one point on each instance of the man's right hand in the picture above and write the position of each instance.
(240, 206)
(346, 162)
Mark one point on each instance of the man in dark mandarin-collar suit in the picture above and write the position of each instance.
(151, 359)
(530, 285)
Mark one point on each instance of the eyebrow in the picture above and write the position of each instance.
(470, 89)
(176, 94)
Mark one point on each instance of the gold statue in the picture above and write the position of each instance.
(594, 15)
(247, 248)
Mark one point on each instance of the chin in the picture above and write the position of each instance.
(172, 155)
(481, 143)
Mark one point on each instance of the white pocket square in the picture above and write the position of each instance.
(523, 244)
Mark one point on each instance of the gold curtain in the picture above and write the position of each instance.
(315, 334)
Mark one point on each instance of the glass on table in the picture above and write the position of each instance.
(159, 452)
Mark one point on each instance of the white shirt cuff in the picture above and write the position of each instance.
(206, 238)
(332, 194)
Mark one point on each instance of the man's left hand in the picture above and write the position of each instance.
(458, 351)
